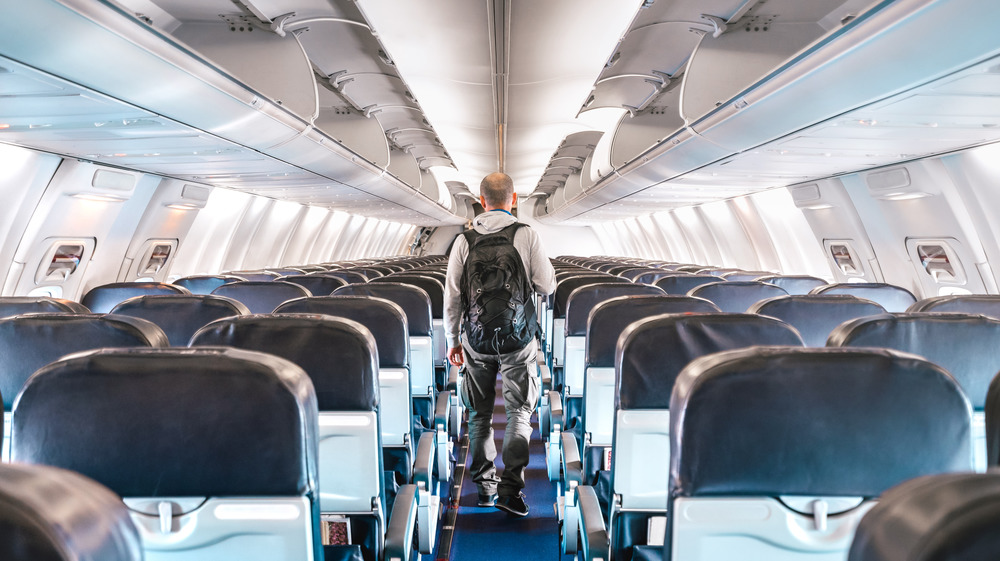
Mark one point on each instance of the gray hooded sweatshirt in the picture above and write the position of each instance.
(536, 264)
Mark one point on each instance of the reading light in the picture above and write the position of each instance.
(96, 197)
(183, 206)
(907, 196)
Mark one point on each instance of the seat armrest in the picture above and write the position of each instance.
(571, 463)
(556, 410)
(402, 523)
(546, 375)
(453, 378)
(423, 461)
(594, 543)
(442, 411)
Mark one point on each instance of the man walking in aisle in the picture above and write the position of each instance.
(493, 272)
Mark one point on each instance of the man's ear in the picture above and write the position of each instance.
(482, 201)
(514, 200)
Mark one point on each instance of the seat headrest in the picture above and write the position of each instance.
(29, 342)
(948, 517)
(651, 277)
(652, 351)
(20, 305)
(960, 343)
(793, 284)
(415, 302)
(101, 299)
(984, 304)
(583, 300)
(431, 285)
(566, 287)
(824, 422)
(350, 277)
(609, 318)
(254, 276)
(736, 296)
(317, 285)
(180, 315)
(205, 422)
(50, 514)
(892, 298)
(384, 319)
(262, 297)
(681, 285)
(338, 354)
(205, 284)
(816, 315)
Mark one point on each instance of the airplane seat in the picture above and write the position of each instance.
(254, 276)
(20, 305)
(985, 304)
(213, 450)
(947, 517)
(317, 285)
(650, 277)
(736, 296)
(816, 315)
(649, 356)
(680, 284)
(635, 272)
(777, 453)
(205, 284)
(349, 276)
(793, 284)
(745, 275)
(963, 344)
(435, 290)
(180, 315)
(262, 297)
(286, 272)
(101, 299)
(893, 298)
(557, 324)
(50, 514)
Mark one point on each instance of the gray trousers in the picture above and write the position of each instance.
(520, 395)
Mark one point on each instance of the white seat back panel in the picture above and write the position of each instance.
(599, 405)
(394, 405)
(349, 452)
(573, 370)
(641, 458)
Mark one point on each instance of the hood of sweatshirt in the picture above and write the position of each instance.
(492, 221)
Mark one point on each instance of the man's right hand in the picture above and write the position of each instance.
(456, 356)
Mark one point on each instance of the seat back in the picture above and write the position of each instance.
(682, 284)
(254, 276)
(101, 299)
(653, 275)
(205, 284)
(262, 297)
(340, 357)
(793, 284)
(180, 315)
(744, 275)
(948, 517)
(317, 285)
(559, 301)
(816, 315)
(20, 305)
(736, 296)
(435, 290)
(960, 343)
(892, 298)
(219, 445)
(792, 441)
(50, 514)
(985, 304)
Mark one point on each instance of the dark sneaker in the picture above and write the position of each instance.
(487, 499)
(513, 505)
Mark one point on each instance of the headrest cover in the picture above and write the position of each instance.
(179, 316)
(429, 284)
(949, 517)
(609, 318)
(205, 284)
(384, 319)
(262, 297)
(816, 315)
(50, 514)
(173, 422)
(793, 284)
(682, 284)
(892, 298)
(29, 342)
(316, 284)
(826, 422)
(101, 299)
(985, 304)
(582, 300)
(566, 287)
(338, 354)
(652, 351)
(20, 305)
(736, 296)
(415, 302)
(960, 343)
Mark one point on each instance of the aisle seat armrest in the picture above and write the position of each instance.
(594, 543)
(402, 523)
(423, 462)
(571, 464)
(556, 410)
(442, 411)
(453, 378)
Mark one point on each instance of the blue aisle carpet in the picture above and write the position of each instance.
(487, 533)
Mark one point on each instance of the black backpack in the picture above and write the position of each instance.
(496, 294)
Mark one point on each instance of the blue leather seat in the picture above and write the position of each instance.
(681, 284)
(181, 315)
(650, 277)
(317, 285)
(349, 276)
(985, 304)
(745, 275)
(101, 299)
(557, 324)
(254, 276)
(50, 514)
(262, 297)
(816, 315)
(793, 284)
(736, 296)
(205, 284)
(20, 305)
(892, 298)
(776, 453)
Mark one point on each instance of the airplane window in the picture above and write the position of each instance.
(157, 259)
(65, 260)
(844, 259)
(939, 261)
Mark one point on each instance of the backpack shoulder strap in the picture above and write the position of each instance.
(509, 231)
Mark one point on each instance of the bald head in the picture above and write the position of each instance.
(497, 191)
